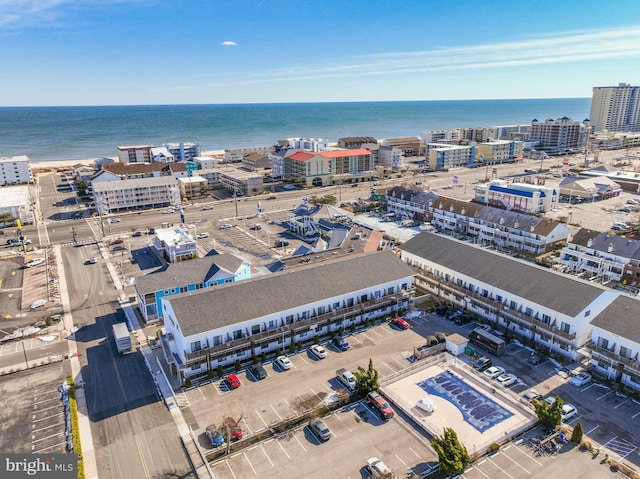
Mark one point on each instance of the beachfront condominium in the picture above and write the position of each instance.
(615, 108)
(15, 170)
(559, 136)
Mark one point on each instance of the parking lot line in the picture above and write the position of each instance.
(47, 408)
(502, 470)
(355, 339)
(636, 414)
(45, 418)
(605, 395)
(414, 452)
(267, 456)
(283, 450)
(402, 365)
(375, 331)
(41, 451)
(476, 468)
(515, 462)
(387, 366)
(230, 469)
(519, 449)
(263, 421)
(593, 429)
(274, 410)
(301, 445)
(405, 465)
(46, 427)
(250, 465)
(588, 387)
(303, 359)
(616, 407)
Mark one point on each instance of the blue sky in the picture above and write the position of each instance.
(107, 52)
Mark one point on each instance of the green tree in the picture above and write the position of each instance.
(576, 435)
(549, 415)
(366, 380)
(7, 218)
(453, 456)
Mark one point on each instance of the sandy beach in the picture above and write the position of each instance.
(55, 165)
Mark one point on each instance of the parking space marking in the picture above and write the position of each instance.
(592, 429)
(605, 395)
(247, 426)
(405, 465)
(44, 418)
(274, 410)
(41, 451)
(515, 462)
(374, 331)
(502, 470)
(46, 427)
(402, 365)
(620, 446)
(47, 409)
(476, 469)
(414, 452)
(341, 420)
(250, 465)
(230, 469)
(283, 450)
(301, 445)
(636, 414)
(519, 449)
(263, 421)
(356, 339)
(588, 387)
(387, 366)
(303, 359)
(626, 400)
(267, 456)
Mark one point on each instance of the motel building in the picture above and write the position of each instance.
(238, 321)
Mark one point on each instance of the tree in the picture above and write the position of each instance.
(6, 218)
(576, 435)
(549, 415)
(453, 456)
(366, 380)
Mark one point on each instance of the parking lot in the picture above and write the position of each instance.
(32, 415)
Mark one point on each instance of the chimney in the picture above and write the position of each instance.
(589, 243)
(610, 248)
(501, 221)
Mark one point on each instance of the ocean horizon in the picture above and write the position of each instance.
(56, 133)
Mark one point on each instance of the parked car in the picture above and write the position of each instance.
(207, 207)
(340, 343)
(92, 260)
(114, 220)
(482, 363)
(118, 241)
(202, 235)
(531, 395)
(281, 243)
(580, 380)
(34, 262)
(568, 411)
(235, 431)
(535, 359)
(256, 227)
(38, 304)
(258, 371)
(493, 372)
(318, 351)
(378, 469)
(320, 429)
(169, 211)
(400, 323)
(137, 234)
(225, 226)
(283, 363)
(232, 381)
(215, 436)
(426, 404)
(380, 404)
(506, 379)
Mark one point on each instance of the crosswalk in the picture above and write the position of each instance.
(620, 446)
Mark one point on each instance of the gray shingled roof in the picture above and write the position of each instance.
(134, 183)
(619, 245)
(187, 272)
(621, 318)
(542, 286)
(212, 308)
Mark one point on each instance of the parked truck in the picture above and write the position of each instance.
(122, 337)
(347, 378)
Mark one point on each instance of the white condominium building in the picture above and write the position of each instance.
(155, 192)
(615, 108)
(15, 170)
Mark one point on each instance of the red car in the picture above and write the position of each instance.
(235, 431)
(232, 381)
(118, 241)
(400, 323)
(380, 404)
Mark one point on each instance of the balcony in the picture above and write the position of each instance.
(615, 359)
(301, 325)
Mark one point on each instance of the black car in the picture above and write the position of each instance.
(340, 343)
(281, 243)
(535, 359)
(482, 363)
(258, 371)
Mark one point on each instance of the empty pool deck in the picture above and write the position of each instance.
(479, 412)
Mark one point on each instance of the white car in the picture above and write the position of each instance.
(377, 468)
(38, 304)
(169, 211)
(318, 351)
(34, 262)
(568, 411)
(114, 220)
(580, 380)
(92, 260)
(207, 207)
(202, 235)
(506, 379)
(493, 372)
(225, 226)
(283, 363)
(426, 404)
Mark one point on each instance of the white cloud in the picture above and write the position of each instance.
(564, 47)
(229, 44)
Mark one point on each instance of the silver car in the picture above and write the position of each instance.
(320, 429)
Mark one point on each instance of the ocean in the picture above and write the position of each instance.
(70, 133)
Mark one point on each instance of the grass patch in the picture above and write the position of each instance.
(75, 428)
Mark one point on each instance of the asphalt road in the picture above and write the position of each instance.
(134, 435)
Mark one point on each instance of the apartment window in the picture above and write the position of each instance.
(546, 318)
(364, 298)
(587, 313)
(528, 312)
(195, 346)
(255, 329)
(237, 334)
(625, 352)
(322, 309)
(336, 306)
(566, 327)
(273, 325)
(349, 302)
(390, 290)
(499, 298)
(513, 304)
(602, 343)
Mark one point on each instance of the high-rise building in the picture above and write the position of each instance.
(615, 108)
(559, 136)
